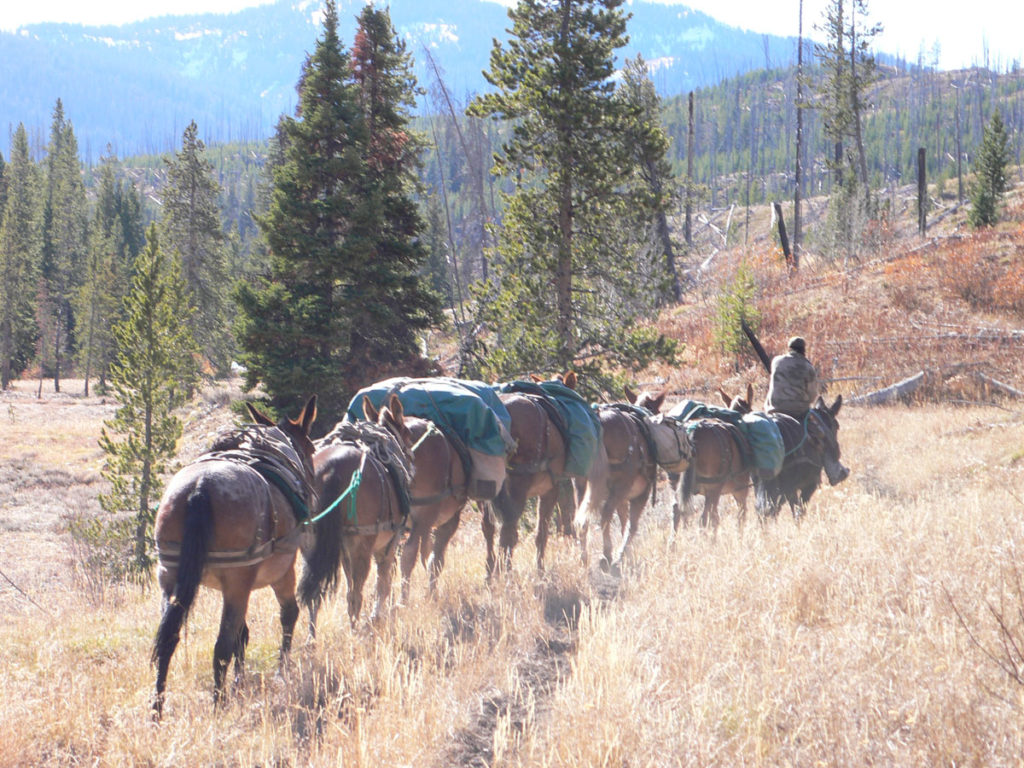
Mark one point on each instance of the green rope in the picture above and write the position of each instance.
(350, 493)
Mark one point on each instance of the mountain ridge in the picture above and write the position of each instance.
(136, 86)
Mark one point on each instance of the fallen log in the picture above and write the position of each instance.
(998, 386)
(901, 390)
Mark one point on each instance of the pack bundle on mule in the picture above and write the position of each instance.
(729, 446)
(762, 441)
(460, 432)
(232, 520)
(557, 438)
(469, 412)
(363, 471)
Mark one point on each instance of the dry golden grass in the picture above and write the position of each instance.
(828, 643)
(836, 642)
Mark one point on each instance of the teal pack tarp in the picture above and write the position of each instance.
(766, 443)
(761, 432)
(471, 410)
(581, 422)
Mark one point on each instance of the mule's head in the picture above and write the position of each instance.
(296, 429)
(649, 400)
(391, 417)
(823, 431)
(568, 379)
(739, 403)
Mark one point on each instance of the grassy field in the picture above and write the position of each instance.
(835, 642)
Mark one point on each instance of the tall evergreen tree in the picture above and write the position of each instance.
(849, 70)
(64, 233)
(19, 257)
(341, 303)
(191, 226)
(990, 177)
(554, 82)
(154, 369)
(389, 300)
(653, 190)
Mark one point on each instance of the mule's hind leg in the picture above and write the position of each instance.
(357, 572)
(442, 535)
(284, 591)
(545, 509)
(487, 527)
(231, 639)
(636, 508)
(385, 571)
(410, 549)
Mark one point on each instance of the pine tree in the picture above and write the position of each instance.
(154, 369)
(389, 302)
(653, 190)
(99, 299)
(65, 241)
(191, 226)
(568, 290)
(342, 300)
(990, 178)
(850, 71)
(19, 255)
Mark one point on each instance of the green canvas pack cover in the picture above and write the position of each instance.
(471, 410)
(765, 439)
(762, 433)
(582, 424)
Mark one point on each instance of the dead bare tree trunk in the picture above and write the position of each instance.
(798, 170)
(689, 174)
(783, 238)
(922, 192)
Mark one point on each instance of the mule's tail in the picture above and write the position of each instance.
(323, 559)
(195, 545)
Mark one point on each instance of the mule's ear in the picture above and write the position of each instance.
(630, 394)
(258, 416)
(395, 406)
(658, 401)
(819, 403)
(308, 415)
(750, 395)
(570, 380)
(836, 406)
(371, 413)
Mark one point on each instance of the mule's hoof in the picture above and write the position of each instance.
(616, 570)
(606, 566)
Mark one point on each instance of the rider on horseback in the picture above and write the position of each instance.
(793, 386)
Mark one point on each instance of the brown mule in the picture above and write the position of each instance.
(718, 467)
(231, 521)
(439, 494)
(362, 472)
(716, 438)
(535, 469)
(630, 474)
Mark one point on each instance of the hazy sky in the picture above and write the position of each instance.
(961, 30)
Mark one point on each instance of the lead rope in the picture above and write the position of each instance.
(350, 493)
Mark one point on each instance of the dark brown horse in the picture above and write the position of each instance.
(362, 472)
(811, 444)
(231, 521)
(630, 475)
(535, 469)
